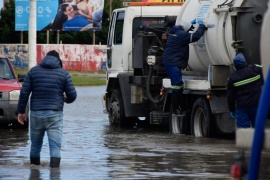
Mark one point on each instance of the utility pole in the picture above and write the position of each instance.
(32, 35)
(21, 37)
(111, 10)
(48, 37)
(58, 37)
(94, 37)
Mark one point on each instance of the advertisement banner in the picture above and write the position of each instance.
(163, 0)
(63, 15)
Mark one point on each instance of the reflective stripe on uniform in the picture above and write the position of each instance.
(246, 81)
(177, 87)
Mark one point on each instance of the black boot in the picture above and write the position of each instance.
(55, 162)
(35, 160)
(176, 101)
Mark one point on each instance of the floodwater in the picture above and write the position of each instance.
(93, 150)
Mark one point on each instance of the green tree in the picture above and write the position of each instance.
(7, 21)
(102, 35)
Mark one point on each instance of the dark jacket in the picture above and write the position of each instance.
(177, 48)
(47, 82)
(244, 87)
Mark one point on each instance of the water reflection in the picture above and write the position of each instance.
(94, 150)
(11, 144)
(34, 174)
(37, 174)
(151, 154)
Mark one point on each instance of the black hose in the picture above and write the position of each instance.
(149, 95)
(225, 3)
(222, 3)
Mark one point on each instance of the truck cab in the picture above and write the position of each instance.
(126, 66)
(125, 24)
(10, 87)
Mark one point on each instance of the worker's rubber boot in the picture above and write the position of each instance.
(34, 160)
(182, 103)
(176, 106)
(55, 162)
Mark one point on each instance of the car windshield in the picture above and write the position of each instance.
(5, 69)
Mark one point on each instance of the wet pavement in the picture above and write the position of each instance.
(93, 150)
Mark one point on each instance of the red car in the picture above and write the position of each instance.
(10, 87)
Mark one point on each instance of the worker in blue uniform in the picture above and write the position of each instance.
(243, 91)
(176, 57)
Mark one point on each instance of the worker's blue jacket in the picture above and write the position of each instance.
(47, 83)
(177, 48)
(244, 87)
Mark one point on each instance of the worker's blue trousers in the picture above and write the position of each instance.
(175, 75)
(245, 117)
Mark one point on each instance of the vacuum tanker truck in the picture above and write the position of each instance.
(138, 88)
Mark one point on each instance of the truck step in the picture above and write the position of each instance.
(244, 138)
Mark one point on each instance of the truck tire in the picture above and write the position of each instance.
(116, 110)
(201, 119)
(177, 125)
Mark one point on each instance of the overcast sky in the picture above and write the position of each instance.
(1, 4)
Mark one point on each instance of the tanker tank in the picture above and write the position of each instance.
(265, 43)
(228, 22)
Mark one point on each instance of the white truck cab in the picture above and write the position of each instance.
(125, 24)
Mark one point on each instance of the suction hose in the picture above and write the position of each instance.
(149, 95)
(258, 138)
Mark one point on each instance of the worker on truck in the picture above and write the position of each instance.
(243, 91)
(176, 57)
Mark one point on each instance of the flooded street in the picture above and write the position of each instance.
(91, 149)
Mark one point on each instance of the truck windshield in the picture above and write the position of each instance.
(147, 24)
(5, 69)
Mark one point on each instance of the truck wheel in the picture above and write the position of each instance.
(177, 124)
(116, 109)
(201, 119)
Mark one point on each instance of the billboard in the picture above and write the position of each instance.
(163, 0)
(63, 15)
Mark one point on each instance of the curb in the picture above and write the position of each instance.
(94, 75)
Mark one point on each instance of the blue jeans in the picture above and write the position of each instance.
(245, 118)
(46, 121)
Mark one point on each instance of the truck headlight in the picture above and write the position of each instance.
(14, 95)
